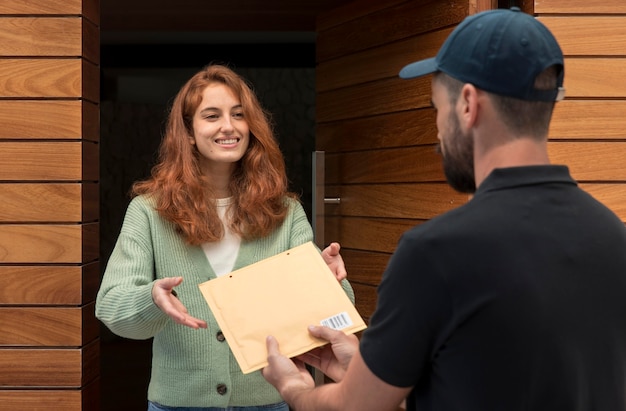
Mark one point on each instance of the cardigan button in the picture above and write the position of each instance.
(220, 336)
(221, 389)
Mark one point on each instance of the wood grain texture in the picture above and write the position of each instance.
(48, 161)
(49, 367)
(55, 119)
(365, 300)
(580, 6)
(401, 129)
(413, 201)
(342, 14)
(376, 63)
(364, 267)
(387, 25)
(588, 35)
(47, 326)
(42, 7)
(40, 78)
(44, 202)
(595, 77)
(369, 99)
(589, 119)
(49, 285)
(41, 36)
(48, 243)
(591, 161)
(368, 234)
(85, 399)
(394, 165)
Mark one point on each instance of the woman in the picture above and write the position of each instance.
(217, 200)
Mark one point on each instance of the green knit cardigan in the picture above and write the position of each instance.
(193, 368)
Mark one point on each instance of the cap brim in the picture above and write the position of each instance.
(419, 68)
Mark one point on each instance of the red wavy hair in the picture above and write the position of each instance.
(183, 194)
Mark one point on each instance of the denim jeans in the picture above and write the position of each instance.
(281, 406)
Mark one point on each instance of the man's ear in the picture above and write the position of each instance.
(467, 106)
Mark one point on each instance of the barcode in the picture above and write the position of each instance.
(337, 322)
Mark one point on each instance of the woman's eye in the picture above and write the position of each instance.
(238, 115)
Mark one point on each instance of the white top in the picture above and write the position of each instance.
(222, 254)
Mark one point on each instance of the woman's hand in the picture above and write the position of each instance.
(334, 260)
(165, 298)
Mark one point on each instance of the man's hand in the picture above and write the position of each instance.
(289, 377)
(332, 359)
(334, 260)
(165, 298)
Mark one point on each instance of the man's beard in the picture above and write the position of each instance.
(458, 158)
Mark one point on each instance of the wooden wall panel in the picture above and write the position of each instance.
(55, 119)
(48, 243)
(49, 367)
(401, 129)
(369, 99)
(395, 22)
(52, 399)
(580, 6)
(49, 205)
(46, 160)
(577, 35)
(49, 285)
(42, 7)
(49, 202)
(595, 77)
(33, 36)
(47, 326)
(589, 119)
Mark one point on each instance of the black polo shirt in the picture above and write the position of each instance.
(513, 301)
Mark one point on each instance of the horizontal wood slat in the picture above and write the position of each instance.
(373, 234)
(54, 119)
(364, 267)
(85, 399)
(401, 165)
(387, 25)
(365, 300)
(49, 285)
(580, 6)
(40, 78)
(377, 63)
(350, 11)
(49, 367)
(47, 326)
(48, 161)
(591, 161)
(41, 7)
(589, 119)
(423, 164)
(41, 36)
(379, 97)
(588, 35)
(422, 201)
(49, 202)
(401, 129)
(48, 243)
(595, 77)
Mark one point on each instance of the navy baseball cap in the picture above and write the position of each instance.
(500, 51)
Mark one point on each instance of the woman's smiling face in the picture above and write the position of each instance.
(220, 130)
